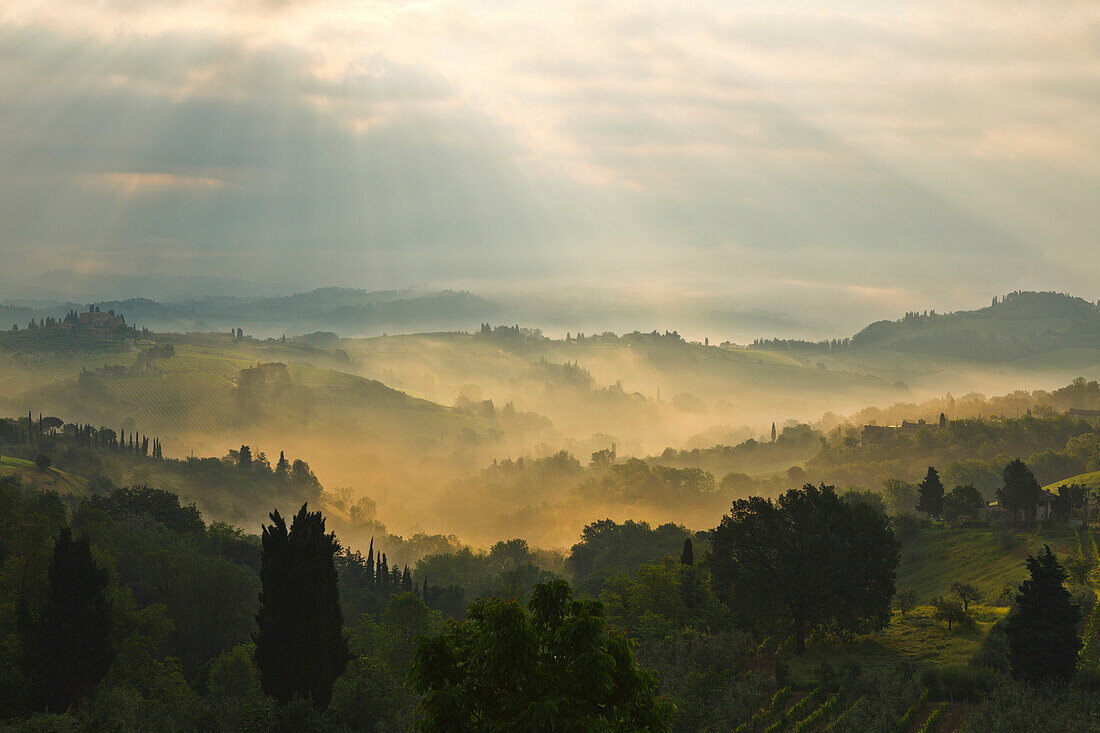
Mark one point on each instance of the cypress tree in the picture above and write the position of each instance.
(71, 650)
(687, 557)
(931, 494)
(406, 581)
(370, 560)
(300, 644)
(1042, 630)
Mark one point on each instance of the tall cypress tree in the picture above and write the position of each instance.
(687, 556)
(1042, 630)
(300, 645)
(931, 494)
(71, 649)
(370, 561)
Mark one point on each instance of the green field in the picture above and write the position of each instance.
(915, 637)
(51, 479)
(931, 561)
(1088, 480)
(936, 557)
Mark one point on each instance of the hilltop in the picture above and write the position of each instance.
(349, 311)
(1019, 325)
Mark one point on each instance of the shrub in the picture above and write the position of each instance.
(959, 682)
(1007, 538)
(42, 461)
(993, 653)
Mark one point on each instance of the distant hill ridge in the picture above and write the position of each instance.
(1017, 325)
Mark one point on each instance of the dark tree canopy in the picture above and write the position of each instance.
(963, 500)
(687, 556)
(550, 667)
(71, 649)
(807, 559)
(300, 645)
(1042, 630)
(931, 494)
(1019, 490)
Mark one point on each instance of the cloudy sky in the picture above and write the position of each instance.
(872, 157)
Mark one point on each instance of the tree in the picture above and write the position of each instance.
(282, 468)
(950, 612)
(1019, 491)
(967, 594)
(905, 600)
(244, 458)
(687, 556)
(1071, 497)
(931, 494)
(963, 500)
(1042, 630)
(552, 666)
(71, 650)
(42, 461)
(901, 496)
(806, 558)
(943, 421)
(773, 432)
(300, 644)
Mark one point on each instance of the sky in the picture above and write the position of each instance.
(836, 161)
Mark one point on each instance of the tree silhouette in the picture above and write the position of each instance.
(71, 649)
(300, 645)
(950, 612)
(967, 593)
(687, 556)
(1019, 491)
(1042, 631)
(808, 558)
(282, 468)
(930, 499)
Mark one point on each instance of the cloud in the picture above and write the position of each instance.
(907, 150)
(137, 183)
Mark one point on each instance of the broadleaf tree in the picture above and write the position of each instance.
(808, 560)
(552, 666)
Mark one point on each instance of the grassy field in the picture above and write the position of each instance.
(915, 637)
(936, 557)
(931, 561)
(51, 479)
(1088, 480)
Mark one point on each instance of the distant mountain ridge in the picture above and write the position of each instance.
(1018, 325)
(347, 311)
(1015, 326)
